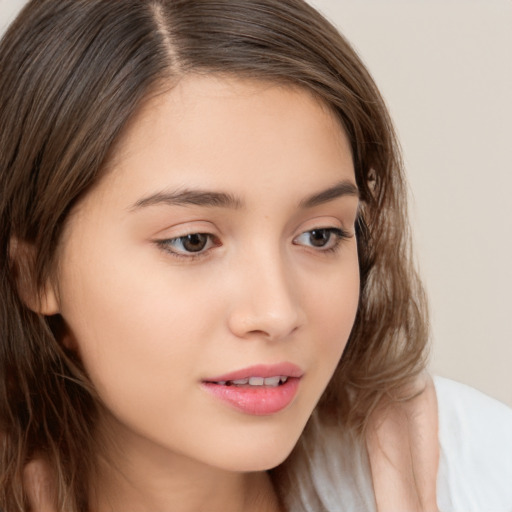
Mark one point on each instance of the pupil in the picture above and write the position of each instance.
(195, 242)
(319, 237)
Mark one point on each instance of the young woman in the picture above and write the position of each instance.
(208, 301)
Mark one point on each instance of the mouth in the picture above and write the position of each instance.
(259, 390)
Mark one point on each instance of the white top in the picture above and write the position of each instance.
(475, 467)
(475, 435)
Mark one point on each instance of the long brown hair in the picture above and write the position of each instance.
(72, 74)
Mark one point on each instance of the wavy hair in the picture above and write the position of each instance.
(72, 75)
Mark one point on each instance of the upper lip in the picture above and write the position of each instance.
(260, 370)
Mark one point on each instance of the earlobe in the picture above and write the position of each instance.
(42, 301)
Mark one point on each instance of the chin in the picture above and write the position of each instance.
(257, 462)
(261, 452)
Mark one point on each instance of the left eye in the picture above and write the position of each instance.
(322, 238)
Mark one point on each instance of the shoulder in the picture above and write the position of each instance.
(475, 437)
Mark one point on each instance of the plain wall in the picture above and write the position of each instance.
(445, 70)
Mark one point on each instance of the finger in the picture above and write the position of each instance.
(39, 486)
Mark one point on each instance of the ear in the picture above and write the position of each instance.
(42, 301)
(47, 303)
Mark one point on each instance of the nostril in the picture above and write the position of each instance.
(267, 326)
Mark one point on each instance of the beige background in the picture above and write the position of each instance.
(445, 69)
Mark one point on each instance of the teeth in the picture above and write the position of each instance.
(256, 381)
(272, 381)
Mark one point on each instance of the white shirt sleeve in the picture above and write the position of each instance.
(475, 436)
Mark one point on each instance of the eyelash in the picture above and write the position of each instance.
(167, 244)
(338, 233)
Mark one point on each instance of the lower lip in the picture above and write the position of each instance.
(256, 400)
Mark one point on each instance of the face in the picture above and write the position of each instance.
(219, 247)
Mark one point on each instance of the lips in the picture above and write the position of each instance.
(260, 370)
(257, 390)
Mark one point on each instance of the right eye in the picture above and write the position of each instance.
(193, 244)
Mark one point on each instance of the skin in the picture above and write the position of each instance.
(171, 446)
(151, 321)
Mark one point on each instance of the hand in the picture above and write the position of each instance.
(403, 449)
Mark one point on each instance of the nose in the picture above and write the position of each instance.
(266, 301)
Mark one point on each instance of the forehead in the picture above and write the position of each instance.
(218, 132)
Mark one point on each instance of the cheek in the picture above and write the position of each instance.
(333, 306)
(332, 309)
(134, 331)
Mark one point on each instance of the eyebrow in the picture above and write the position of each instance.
(207, 198)
(190, 197)
(343, 188)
